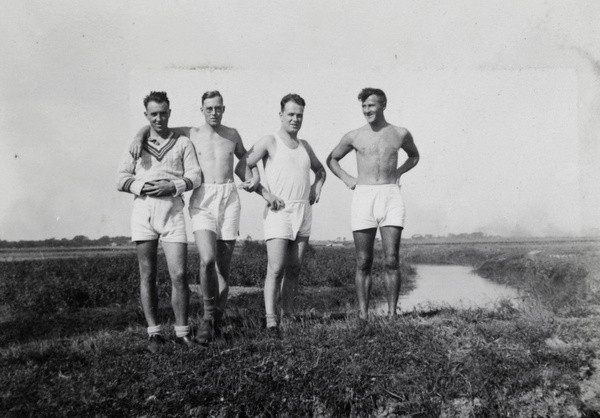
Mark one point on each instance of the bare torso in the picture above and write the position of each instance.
(377, 153)
(215, 150)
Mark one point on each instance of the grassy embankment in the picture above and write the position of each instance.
(72, 343)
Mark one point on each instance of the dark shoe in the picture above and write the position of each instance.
(274, 332)
(185, 341)
(155, 343)
(206, 332)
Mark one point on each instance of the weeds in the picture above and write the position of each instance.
(83, 353)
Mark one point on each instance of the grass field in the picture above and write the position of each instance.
(72, 341)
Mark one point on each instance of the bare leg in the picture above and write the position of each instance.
(277, 250)
(147, 259)
(390, 237)
(206, 242)
(364, 241)
(176, 255)
(289, 284)
(224, 254)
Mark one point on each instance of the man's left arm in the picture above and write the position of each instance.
(250, 177)
(408, 145)
(320, 174)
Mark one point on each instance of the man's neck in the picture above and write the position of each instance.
(216, 129)
(378, 125)
(163, 135)
(291, 135)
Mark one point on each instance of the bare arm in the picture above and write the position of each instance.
(320, 174)
(250, 177)
(333, 160)
(411, 150)
(255, 154)
(135, 149)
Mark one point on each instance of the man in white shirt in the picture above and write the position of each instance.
(167, 167)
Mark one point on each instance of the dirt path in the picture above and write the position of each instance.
(233, 290)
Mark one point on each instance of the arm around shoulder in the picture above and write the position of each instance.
(192, 175)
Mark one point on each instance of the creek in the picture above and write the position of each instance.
(450, 285)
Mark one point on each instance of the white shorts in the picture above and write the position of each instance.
(377, 205)
(154, 217)
(216, 208)
(294, 220)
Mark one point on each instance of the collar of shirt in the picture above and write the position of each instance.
(159, 141)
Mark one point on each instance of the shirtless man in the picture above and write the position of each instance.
(215, 206)
(376, 201)
(167, 167)
(287, 218)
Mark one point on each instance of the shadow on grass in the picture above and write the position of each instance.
(245, 312)
(30, 328)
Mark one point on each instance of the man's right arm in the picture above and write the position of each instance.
(126, 181)
(333, 160)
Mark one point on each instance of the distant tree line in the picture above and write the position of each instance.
(77, 241)
(464, 236)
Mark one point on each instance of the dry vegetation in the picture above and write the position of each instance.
(72, 343)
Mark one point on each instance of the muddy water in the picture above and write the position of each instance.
(456, 286)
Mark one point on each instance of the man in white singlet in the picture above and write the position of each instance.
(377, 201)
(288, 214)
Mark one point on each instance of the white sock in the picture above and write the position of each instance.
(156, 330)
(182, 330)
(271, 320)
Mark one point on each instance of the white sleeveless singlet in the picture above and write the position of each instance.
(288, 173)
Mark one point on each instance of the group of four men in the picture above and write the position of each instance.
(162, 163)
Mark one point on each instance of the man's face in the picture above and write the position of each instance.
(373, 109)
(158, 115)
(291, 117)
(213, 110)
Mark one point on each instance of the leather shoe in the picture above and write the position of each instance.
(185, 341)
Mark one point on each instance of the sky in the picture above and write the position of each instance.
(502, 98)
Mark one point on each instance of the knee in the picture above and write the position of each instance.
(276, 269)
(147, 272)
(207, 263)
(293, 269)
(391, 261)
(364, 262)
(179, 277)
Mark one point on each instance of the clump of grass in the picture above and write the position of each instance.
(486, 363)
(561, 284)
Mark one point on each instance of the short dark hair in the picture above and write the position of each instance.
(291, 97)
(369, 91)
(210, 94)
(156, 96)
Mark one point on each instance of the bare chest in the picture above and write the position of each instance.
(377, 146)
(213, 147)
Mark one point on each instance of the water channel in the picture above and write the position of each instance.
(455, 286)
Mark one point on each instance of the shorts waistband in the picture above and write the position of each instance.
(376, 186)
(228, 185)
(157, 198)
